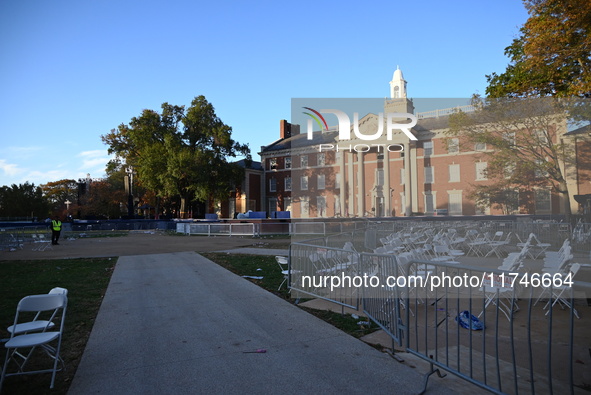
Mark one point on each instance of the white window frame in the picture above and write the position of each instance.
(428, 148)
(321, 181)
(453, 145)
(272, 185)
(321, 206)
(454, 172)
(547, 201)
(321, 159)
(288, 162)
(454, 207)
(304, 183)
(429, 173)
(379, 177)
(304, 161)
(287, 183)
(481, 171)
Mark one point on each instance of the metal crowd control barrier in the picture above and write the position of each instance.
(217, 229)
(506, 333)
(311, 266)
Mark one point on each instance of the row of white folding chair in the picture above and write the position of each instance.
(556, 294)
(498, 243)
(477, 245)
(555, 261)
(43, 333)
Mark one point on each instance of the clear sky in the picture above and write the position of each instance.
(70, 71)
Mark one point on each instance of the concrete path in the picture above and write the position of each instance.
(179, 324)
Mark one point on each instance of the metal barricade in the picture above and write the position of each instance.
(316, 270)
(506, 332)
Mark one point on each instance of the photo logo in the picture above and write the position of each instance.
(345, 124)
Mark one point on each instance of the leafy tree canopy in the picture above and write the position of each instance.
(551, 56)
(23, 200)
(179, 151)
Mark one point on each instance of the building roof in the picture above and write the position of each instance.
(253, 164)
(301, 140)
(582, 130)
(331, 137)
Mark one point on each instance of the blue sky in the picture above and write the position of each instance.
(70, 71)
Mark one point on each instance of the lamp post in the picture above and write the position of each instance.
(67, 203)
(130, 173)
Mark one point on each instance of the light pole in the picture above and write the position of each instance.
(68, 202)
(130, 173)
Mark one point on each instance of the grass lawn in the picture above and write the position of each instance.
(86, 281)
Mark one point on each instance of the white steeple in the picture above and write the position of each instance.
(398, 85)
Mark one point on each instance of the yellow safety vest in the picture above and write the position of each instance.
(56, 225)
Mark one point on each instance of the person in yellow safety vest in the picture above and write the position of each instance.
(56, 228)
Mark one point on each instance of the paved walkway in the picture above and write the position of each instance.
(178, 323)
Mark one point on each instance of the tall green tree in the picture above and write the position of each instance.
(180, 151)
(552, 54)
(58, 192)
(23, 200)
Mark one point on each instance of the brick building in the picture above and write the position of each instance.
(323, 175)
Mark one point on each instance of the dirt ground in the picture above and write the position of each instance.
(139, 243)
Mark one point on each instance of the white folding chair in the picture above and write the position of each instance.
(557, 292)
(37, 323)
(283, 263)
(443, 254)
(46, 340)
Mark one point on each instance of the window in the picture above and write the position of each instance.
(321, 206)
(540, 169)
(541, 137)
(455, 203)
(543, 203)
(304, 183)
(286, 204)
(509, 137)
(337, 205)
(304, 161)
(272, 204)
(509, 170)
(480, 147)
(429, 203)
(453, 146)
(481, 171)
(454, 173)
(428, 148)
(321, 181)
(428, 175)
(287, 183)
(305, 206)
(379, 177)
(288, 162)
(321, 159)
(273, 164)
(272, 185)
